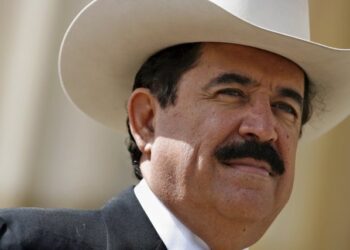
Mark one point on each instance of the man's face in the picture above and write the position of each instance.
(234, 94)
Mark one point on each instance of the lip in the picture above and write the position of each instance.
(252, 166)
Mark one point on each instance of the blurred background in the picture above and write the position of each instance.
(52, 155)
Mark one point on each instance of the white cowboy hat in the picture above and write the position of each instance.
(110, 39)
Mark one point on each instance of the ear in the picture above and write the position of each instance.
(141, 110)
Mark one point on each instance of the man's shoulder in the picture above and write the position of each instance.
(120, 224)
(37, 228)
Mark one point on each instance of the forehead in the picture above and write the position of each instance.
(260, 65)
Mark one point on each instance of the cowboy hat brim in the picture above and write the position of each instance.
(109, 40)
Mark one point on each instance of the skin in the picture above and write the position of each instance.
(231, 205)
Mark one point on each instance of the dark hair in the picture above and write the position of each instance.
(309, 94)
(161, 73)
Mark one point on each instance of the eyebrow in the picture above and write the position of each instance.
(229, 78)
(292, 94)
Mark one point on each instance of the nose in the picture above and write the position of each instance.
(259, 123)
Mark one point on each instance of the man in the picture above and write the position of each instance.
(214, 125)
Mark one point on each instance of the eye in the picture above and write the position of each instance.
(231, 92)
(284, 107)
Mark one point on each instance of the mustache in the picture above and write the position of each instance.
(252, 149)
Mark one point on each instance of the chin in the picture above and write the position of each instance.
(249, 206)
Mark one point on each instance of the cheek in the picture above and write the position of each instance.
(171, 152)
(214, 125)
(184, 144)
(170, 161)
(178, 125)
(287, 145)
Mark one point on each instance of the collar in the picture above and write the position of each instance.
(173, 233)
